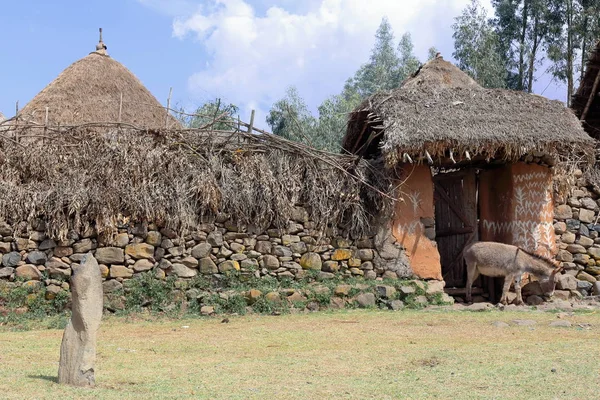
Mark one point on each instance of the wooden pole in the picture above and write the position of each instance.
(168, 108)
(251, 126)
(592, 96)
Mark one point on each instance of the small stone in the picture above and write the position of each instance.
(341, 243)
(207, 310)
(6, 272)
(357, 272)
(341, 254)
(143, 265)
(252, 296)
(365, 254)
(563, 212)
(182, 271)
(140, 250)
(562, 294)
(110, 255)
(296, 297)
(584, 276)
(104, 271)
(154, 238)
(366, 300)
(342, 290)
(354, 262)
(120, 271)
(386, 292)
(52, 291)
(202, 250)
(121, 240)
(111, 286)
(568, 238)
(479, 307)
(269, 262)
(47, 244)
(596, 289)
(299, 247)
(282, 251)
(237, 248)
(586, 216)
(312, 261)
(189, 262)
(331, 266)
(207, 266)
(273, 297)
(166, 244)
(592, 270)
(585, 242)
(560, 228)
(63, 251)
(215, 239)
(397, 305)
(263, 247)
(175, 251)
(28, 272)
(407, 290)
(434, 287)
(500, 324)
(228, 266)
(576, 249)
(11, 259)
(37, 258)
(83, 246)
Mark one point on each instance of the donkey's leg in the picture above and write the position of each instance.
(519, 300)
(472, 274)
(507, 282)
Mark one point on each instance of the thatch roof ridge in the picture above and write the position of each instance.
(96, 88)
(425, 116)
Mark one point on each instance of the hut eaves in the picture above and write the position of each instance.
(585, 101)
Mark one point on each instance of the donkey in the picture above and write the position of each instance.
(504, 260)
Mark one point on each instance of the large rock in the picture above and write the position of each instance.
(140, 250)
(366, 300)
(6, 272)
(78, 347)
(83, 246)
(110, 255)
(143, 265)
(269, 262)
(207, 266)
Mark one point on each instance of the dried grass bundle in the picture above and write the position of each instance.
(93, 174)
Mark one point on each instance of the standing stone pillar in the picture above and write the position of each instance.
(78, 347)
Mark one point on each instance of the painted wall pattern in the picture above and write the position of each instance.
(527, 213)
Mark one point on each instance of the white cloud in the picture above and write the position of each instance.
(254, 56)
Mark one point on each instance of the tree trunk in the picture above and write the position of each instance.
(534, 48)
(525, 14)
(570, 51)
(584, 44)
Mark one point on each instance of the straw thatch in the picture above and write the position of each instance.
(82, 177)
(442, 113)
(585, 102)
(96, 89)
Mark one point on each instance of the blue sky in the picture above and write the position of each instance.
(245, 51)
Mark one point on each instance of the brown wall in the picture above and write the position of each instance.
(516, 207)
(408, 229)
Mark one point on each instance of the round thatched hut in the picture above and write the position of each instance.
(95, 89)
(475, 163)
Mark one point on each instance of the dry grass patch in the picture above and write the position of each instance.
(352, 354)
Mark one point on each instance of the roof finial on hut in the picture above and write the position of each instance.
(101, 47)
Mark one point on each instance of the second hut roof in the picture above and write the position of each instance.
(441, 109)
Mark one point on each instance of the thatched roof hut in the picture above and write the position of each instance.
(440, 112)
(585, 102)
(96, 88)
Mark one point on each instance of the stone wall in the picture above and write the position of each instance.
(213, 249)
(577, 228)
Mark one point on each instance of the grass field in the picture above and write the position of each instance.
(350, 354)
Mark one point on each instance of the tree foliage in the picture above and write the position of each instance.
(215, 114)
(476, 47)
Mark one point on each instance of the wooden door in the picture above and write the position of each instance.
(455, 197)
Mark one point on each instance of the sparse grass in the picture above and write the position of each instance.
(349, 354)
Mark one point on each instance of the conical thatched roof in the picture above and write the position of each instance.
(96, 89)
(440, 110)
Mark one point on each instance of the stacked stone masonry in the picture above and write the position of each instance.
(217, 248)
(577, 228)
